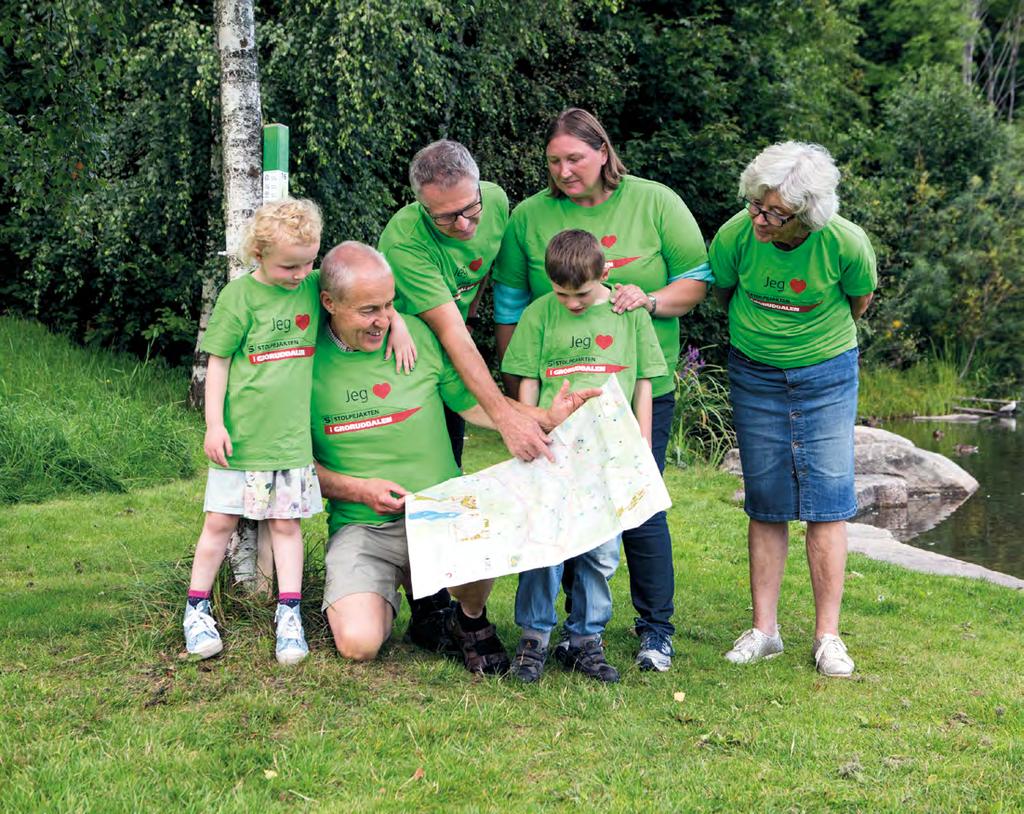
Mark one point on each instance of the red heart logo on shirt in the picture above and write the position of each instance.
(797, 285)
(603, 341)
(381, 390)
(302, 320)
(475, 265)
(608, 241)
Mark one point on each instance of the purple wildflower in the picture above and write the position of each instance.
(692, 361)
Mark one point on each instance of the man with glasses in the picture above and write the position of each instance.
(440, 249)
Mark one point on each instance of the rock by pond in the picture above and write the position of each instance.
(890, 471)
(908, 493)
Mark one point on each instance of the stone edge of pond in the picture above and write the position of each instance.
(879, 544)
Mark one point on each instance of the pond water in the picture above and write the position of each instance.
(987, 528)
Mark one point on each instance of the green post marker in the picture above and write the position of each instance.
(275, 162)
(275, 187)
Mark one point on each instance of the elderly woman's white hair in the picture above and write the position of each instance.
(804, 175)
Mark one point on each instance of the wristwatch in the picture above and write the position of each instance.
(654, 303)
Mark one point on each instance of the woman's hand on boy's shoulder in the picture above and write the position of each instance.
(629, 297)
(217, 445)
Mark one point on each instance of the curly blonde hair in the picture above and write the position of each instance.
(290, 220)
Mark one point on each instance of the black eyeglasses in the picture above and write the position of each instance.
(773, 218)
(468, 213)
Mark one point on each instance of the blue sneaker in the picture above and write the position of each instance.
(201, 636)
(291, 640)
(656, 652)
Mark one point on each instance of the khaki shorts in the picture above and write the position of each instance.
(367, 559)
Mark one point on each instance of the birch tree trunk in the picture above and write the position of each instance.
(241, 144)
(967, 61)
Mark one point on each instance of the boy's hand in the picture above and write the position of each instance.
(565, 403)
(628, 297)
(383, 496)
(217, 445)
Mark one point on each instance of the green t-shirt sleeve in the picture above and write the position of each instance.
(453, 390)
(858, 267)
(226, 329)
(510, 266)
(420, 283)
(522, 358)
(682, 242)
(650, 361)
(724, 260)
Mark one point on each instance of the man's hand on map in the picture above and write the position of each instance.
(565, 404)
(523, 436)
(383, 496)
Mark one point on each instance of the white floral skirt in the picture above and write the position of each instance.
(275, 494)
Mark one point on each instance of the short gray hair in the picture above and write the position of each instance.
(804, 175)
(444, 163)
(343, 262)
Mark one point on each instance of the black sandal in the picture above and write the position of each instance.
(482, 650)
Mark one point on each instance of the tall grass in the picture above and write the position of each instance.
(702, 430)
(929, 387)
(79, 420)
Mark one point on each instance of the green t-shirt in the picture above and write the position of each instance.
(370, 422)
(431, 268)
(649, 238)
(550, 344)
(790, 308)
(269, 334)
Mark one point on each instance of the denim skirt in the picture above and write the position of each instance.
(794, 428)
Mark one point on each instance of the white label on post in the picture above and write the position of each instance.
(275, 185)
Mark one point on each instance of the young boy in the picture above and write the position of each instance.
(573, 332)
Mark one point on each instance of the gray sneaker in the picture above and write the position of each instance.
(528, 662)
(831, 658)
(655, 652)
(753, 645)
(291, 639)
(201, 637)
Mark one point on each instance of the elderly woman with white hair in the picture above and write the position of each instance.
(794, 276)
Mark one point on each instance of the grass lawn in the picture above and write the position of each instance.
(99, 713)
(64, 412)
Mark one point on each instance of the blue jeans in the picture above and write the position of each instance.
(652, 579)
(591, 594)
(652, 582)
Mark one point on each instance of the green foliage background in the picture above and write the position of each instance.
(110, 196)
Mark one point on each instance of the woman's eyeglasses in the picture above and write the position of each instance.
(773, 218)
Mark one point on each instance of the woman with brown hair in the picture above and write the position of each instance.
(656, 260)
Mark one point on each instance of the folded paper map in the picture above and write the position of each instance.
(516, 516)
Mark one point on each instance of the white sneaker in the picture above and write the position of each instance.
(831, 658)
(291, 640)
(753, 645)
(201, 636)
